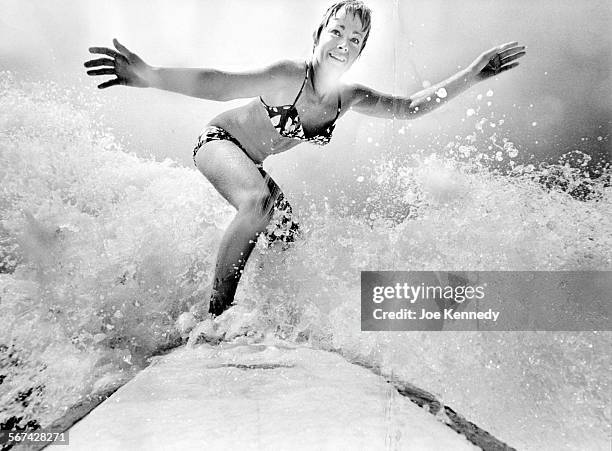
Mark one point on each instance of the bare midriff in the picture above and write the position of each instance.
(250, 125)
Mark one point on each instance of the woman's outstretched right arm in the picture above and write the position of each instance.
(130, 70)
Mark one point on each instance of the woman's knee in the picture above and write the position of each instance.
(259, 205)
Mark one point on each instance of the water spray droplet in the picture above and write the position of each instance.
(441, 93)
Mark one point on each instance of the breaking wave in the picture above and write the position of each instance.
(101, 251)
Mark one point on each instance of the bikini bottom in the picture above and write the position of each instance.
(282, 227)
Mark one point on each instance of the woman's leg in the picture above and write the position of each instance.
(239, 181)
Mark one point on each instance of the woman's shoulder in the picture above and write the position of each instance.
(285, 78)
(351, 93)
(288, 68)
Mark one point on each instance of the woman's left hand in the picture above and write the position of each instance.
(497, 60)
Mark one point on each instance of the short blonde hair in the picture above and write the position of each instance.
(356, 8)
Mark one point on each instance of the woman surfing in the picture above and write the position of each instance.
(293, 102)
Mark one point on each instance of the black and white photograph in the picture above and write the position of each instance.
(291, 225)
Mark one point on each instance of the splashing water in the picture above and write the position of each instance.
(101, 251)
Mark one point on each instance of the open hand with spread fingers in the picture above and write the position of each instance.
(497, 60)
(128, 68)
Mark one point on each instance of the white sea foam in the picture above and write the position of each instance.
(101, 252)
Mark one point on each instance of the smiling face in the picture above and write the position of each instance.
(340, 41)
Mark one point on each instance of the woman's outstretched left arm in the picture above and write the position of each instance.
(490, 63)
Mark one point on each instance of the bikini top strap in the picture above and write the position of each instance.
(303, 84)
(339, 107)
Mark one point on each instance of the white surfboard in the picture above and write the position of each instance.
(271, 396)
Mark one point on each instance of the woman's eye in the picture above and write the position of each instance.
(335, 32)
(355, 41)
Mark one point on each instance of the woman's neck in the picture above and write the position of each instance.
(324, 82)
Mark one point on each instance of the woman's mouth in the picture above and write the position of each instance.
(342, 59)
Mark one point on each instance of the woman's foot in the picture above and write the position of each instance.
(239, 321)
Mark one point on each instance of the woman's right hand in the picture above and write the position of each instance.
(128, 67)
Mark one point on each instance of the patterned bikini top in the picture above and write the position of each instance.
(286, 120)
